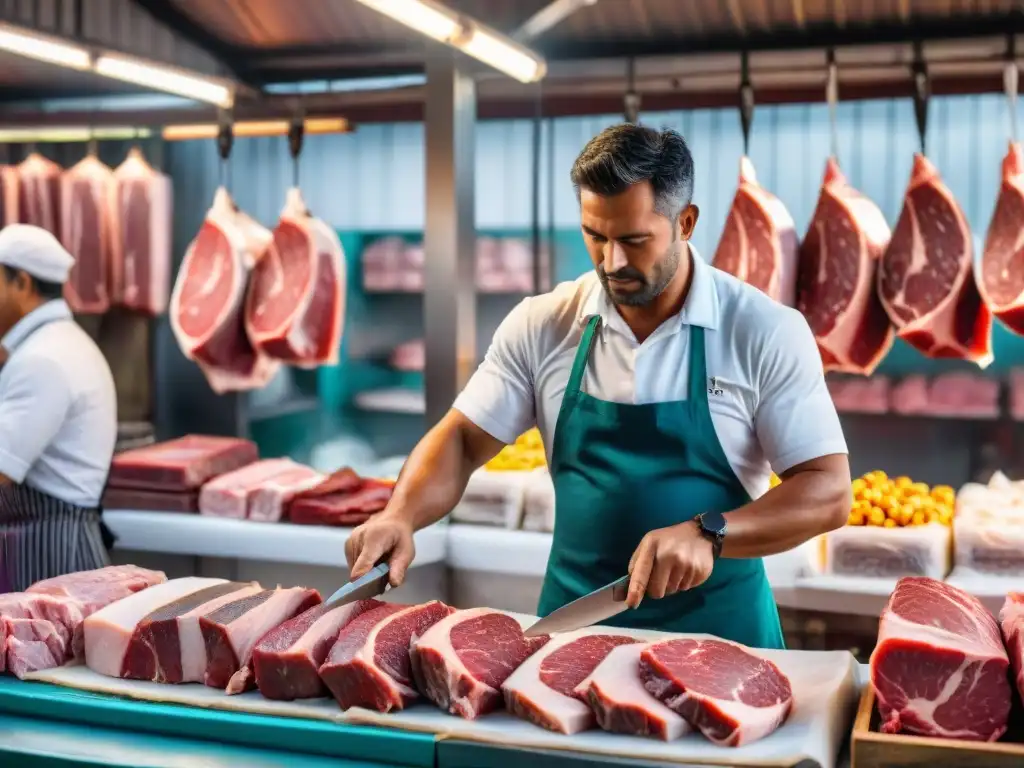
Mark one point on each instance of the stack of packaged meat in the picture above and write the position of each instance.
(988, 530)
(954, 395)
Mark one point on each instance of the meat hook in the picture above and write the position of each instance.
(832, 97)
(922, 92)
(746, 101)
(1010, 80)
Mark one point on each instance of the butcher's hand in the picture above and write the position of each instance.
(669, 560)
(383, 536)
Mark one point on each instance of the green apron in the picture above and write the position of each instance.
(622, 470)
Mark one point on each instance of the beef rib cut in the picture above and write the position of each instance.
(759, 244)
(296, 302)
(720, 688)
(208, 302)
(141, 264)
(926, 276)
(182, 464)
(287, 659)
(543, 689)
(87, 225)
(38, 194)
(461, 662)
(1002, 279)
(620, 702)
(369, 665)
(1011, 619)
(838, 277)
(939, 667)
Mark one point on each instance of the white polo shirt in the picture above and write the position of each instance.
(774, 410)
(58, 409)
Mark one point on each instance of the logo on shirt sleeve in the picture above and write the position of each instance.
(714, 388)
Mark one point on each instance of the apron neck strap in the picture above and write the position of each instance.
(698, 385)
(579, 364)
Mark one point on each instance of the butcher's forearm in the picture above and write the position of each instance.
(437, 471)
(804, 505)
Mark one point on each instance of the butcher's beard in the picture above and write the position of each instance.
(649, 288)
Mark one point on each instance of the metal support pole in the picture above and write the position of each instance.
(449, 300)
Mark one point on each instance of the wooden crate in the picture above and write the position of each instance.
(871, 749)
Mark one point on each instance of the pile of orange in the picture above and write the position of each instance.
(879, 500)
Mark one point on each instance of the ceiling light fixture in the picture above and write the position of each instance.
(254, 128)
(44, 48)
(471, 37)
(71, 134)
(163, 78)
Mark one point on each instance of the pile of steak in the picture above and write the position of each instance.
(940, 668)
(926, 276)
(208, 301)
(87, 231)
(461, 662)
(836, 289)
(720, 688)
(296, 301)
(622, 704)
(543, 689)
(369, 665)
(759, 244)
(343, 499)
(247, 492)
(42, 627)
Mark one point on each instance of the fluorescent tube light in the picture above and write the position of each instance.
(252, 128)
(163, 78)
(436, 22)
(504, 55)
(43, 48)
(71, 134)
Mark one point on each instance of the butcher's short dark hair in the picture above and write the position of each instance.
(628, 154)
(44, 288)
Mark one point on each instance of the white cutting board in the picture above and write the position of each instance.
(824, 691)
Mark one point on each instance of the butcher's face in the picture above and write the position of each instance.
(635, 249)
(13, 292)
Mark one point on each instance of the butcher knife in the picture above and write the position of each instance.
(585, 611)
(371, 584)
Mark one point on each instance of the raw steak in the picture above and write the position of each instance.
(939, 667)
(151, 501)
(181, 465)
(99, 588)
(30, 645)
(38, 194)
(720, 688)
(461, 662)
(287, 660)
(208, 302)
(343, 508)
(622, 704)
(108, 632)
(838, 274)
(141, 266)
(229, 494)
(63, 613)
(759, 244)
(296, 303)
(87, 230)
(369, 666)
(926, 276)
(267, 503)
(860, 395)
(1002, 279)
(543, 689)
(232, 631)
(1011, 618)
(167, 645)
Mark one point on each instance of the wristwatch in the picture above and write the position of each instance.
(713, 526)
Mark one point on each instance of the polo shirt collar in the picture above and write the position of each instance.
(56, 309)
(700, 307)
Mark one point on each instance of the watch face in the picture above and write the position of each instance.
(713, 522)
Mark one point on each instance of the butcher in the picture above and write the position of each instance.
(666, 392)
(58, 418)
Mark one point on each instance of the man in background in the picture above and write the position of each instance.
(58, 418)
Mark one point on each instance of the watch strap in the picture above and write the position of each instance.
(717, 539)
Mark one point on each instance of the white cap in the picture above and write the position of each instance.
(36, 251)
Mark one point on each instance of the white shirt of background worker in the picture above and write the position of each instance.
(58, 418)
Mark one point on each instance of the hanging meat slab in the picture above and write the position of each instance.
(926, 276)
(37, 198)
(141, 264)
(87, 225)
(296, 300)
(836, 287)
(208, 302)
(1002, 261)
(759, 244)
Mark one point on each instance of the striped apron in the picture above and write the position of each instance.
(42, 536)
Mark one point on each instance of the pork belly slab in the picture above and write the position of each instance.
(231, 632)
(108, 632)
(287, 660)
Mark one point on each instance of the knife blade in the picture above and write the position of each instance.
(585, 611)
(371, 584)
